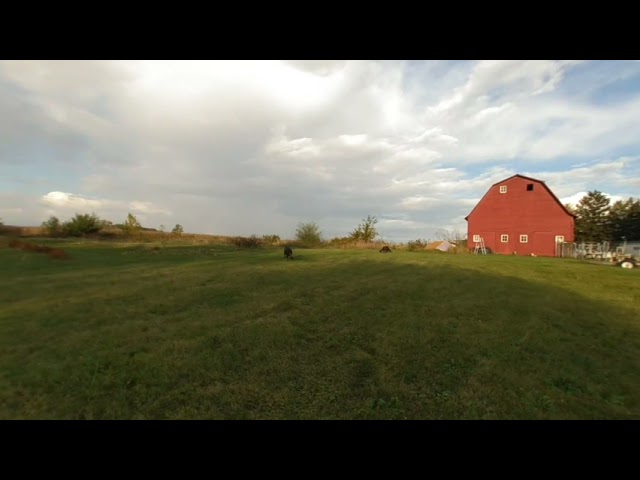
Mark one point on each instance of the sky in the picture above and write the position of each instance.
(257, 147)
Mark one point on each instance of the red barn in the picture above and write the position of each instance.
(520, 215)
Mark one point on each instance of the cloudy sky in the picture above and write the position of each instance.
(256, 147)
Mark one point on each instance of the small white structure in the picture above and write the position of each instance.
(442, 245)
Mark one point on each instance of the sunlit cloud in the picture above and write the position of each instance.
(242, 147)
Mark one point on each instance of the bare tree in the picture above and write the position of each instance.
(451, 236)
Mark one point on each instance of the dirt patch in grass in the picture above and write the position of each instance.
(55, 253)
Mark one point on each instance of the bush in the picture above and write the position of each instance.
(418, 244)
(82, 224)
(131, 225)
(247, 242)
(309, 234)
(52, 227)
(271, 239)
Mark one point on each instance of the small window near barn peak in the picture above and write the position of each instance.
(503, 189)
(530, 187)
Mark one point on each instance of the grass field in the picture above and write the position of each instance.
(213, 332)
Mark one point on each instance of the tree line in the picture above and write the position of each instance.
(309, 233)
(85, 224)
(598, 220)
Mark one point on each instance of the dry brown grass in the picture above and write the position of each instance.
(21, 231)
(349, 243)
(55, 253)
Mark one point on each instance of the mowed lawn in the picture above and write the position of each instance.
(214, 332)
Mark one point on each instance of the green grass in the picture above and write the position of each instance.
(127, 332)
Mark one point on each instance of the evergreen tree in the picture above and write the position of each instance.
(593, 223)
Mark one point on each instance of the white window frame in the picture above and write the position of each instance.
(524, 238)
(502, 238)
(559, 238)
(503, 189)
(476, 238)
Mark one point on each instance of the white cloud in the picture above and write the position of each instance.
(11, 211)
(147, 207)
(241, 147)
(64, 205)
(69, 200)
(575, 198)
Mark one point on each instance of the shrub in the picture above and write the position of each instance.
(131, 225)
(418, 244)
(52, 227)
(271, 239)
(309, 234)
(82, 224)
(247, 242)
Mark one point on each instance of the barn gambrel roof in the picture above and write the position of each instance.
(526, 178)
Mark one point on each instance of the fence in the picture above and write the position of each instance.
(597, 250)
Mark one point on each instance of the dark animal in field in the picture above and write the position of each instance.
(288, 253)
(385, 249)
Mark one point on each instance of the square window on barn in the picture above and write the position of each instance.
(504, 238)
(524, 238)
(503, 189)
(559, 238)
(530, 187)
(476, 238)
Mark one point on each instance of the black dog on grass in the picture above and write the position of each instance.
(288, 253)
(385, 249)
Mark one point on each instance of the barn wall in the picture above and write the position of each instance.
(533, 213)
